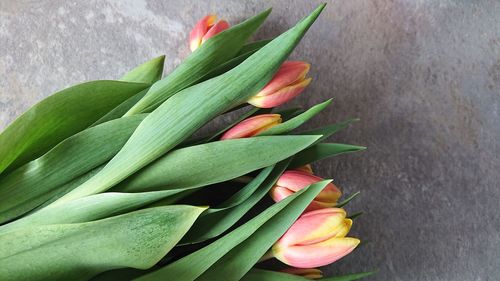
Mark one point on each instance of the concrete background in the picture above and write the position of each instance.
(424, 77)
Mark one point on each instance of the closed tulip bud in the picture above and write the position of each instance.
(206, 28)
(252, 126)
(287, 83)
(316, 239)
(294, 180)
(309, 273)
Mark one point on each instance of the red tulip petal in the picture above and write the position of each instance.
(252, 126)
(316, 255)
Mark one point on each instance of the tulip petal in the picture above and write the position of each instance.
(214, 30)
(252, 126)
(330, 194)
(296, 180)
(316, 255)
(289, 73)
(280, 96)
(199, 30)
(314, 227)
(279, 193)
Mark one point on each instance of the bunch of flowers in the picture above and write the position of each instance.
(111, 180)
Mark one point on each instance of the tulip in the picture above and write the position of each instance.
(205, 29)
(316, 239)
(287, 83)
(309, 273)
(252, 126)
(294, 180)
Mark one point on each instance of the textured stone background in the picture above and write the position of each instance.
(424, 77)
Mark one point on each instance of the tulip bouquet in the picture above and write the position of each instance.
(114, 180)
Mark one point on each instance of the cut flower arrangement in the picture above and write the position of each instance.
(114, 180)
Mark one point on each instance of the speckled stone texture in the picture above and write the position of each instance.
(423, 76)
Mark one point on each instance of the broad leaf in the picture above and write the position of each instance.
(79, 251)
(174, 121)
(321, 151)
(94, 207)
(213, 162)
(148, 72)
(35, 182)
(59, 116)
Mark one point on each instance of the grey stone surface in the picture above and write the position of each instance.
(423, 76)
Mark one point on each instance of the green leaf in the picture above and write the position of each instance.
(349, 277)
(330, 129)
(235, 264)
(148, 72)
(214, 222)
(35, 182)
(174, 121)
(122, 108)
(289, 112)
(321, 151)
(93, 207)
(267, 275)
(296, 121)
(59, 116)
(246, 51)
(79, 251)
(347, 200)
(192, 266)
(213, 162)
(214, 52)
(253, 46)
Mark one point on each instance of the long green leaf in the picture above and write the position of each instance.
(213, 162)
(35, 182)
(59, 116)
(267, 275)
(122, 108)
(211, 54)
(89, 208)
(148, 72)
(235, 264)
(79, 251)
(174, 120)
(192, 266)
(246, 51)
(349, 277)
(215, 221)
(330, 129)
(296, 121)
(321, 151)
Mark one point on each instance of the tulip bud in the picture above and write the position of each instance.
(316, 239)
(252, 126)
(287, 83)
(293, 180)
(309, 273)
(205, 29)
